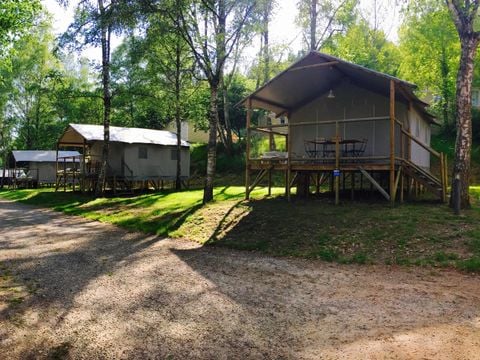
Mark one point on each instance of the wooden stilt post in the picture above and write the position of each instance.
(64, 174)
(14, 174)
(56, 167)
(352, 183)
(247, 157)
(392, 142)
(289, 158)
(402, 186)
(74, 170)
(445, 164)
(337, 164)
(84, 166)
(269, 182)
(442, 177)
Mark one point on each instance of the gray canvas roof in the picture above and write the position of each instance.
(119, 134)
(315, 74)
(43, 155)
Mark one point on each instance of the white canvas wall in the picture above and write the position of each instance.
(351, 102)
(159, 162)
(44, 172)
(422, 131)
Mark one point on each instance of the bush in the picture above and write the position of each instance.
(226, 163)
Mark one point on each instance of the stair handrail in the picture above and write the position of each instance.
(423, 145)
(440, 155)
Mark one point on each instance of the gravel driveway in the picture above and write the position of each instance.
(74, 288)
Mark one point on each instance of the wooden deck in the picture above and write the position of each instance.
(355, 172)
(320, 165)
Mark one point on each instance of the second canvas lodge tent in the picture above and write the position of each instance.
(135, 154)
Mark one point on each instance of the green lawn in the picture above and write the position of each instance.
(420, 233)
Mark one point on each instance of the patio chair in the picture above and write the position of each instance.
(310, 149)
(329, 149)
(361, 149)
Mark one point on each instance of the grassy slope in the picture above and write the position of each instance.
(418, 233)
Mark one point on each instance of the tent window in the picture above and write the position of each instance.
(476, 98)
(143, 152)
(173, 154)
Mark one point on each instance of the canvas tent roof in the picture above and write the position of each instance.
(317, 73)
(77, 133)
(43, 155)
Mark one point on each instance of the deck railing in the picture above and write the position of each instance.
(400, 154)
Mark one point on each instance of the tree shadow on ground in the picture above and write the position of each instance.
(296, 305)
(83, 250)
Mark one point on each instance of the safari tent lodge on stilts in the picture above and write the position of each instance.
(345, 126)
(33, 168)
(138, 158)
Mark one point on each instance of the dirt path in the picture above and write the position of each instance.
(72, 288)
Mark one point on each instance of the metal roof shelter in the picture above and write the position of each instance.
(315, 74)
(76, 134)
(43, 155)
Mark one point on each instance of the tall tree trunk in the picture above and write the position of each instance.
(4, 147)
(4, 169)
(313, 25)
(226, 118)
(225, 132)
(37, 125)
(461, 167)
(258, 82)
(105, 40)
(29, 140)
(212, 142)
(266, 61)
(445, 91)
(178, 119)
(266, 49)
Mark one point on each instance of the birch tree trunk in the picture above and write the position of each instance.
(212, 143)
(463, 144)
(105, 40)
(226, 118)
(178, 117)
(313, 25)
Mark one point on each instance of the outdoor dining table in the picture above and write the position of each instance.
(326, 147)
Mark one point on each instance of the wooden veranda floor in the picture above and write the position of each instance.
(407, 174)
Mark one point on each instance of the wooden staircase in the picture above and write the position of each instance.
(120, 185)
(425, 178)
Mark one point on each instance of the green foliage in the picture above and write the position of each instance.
(41, 92)
(16, 16)
(365, 46)
(233, 163)
(237, 91)
(430, 51)
(333, 17)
